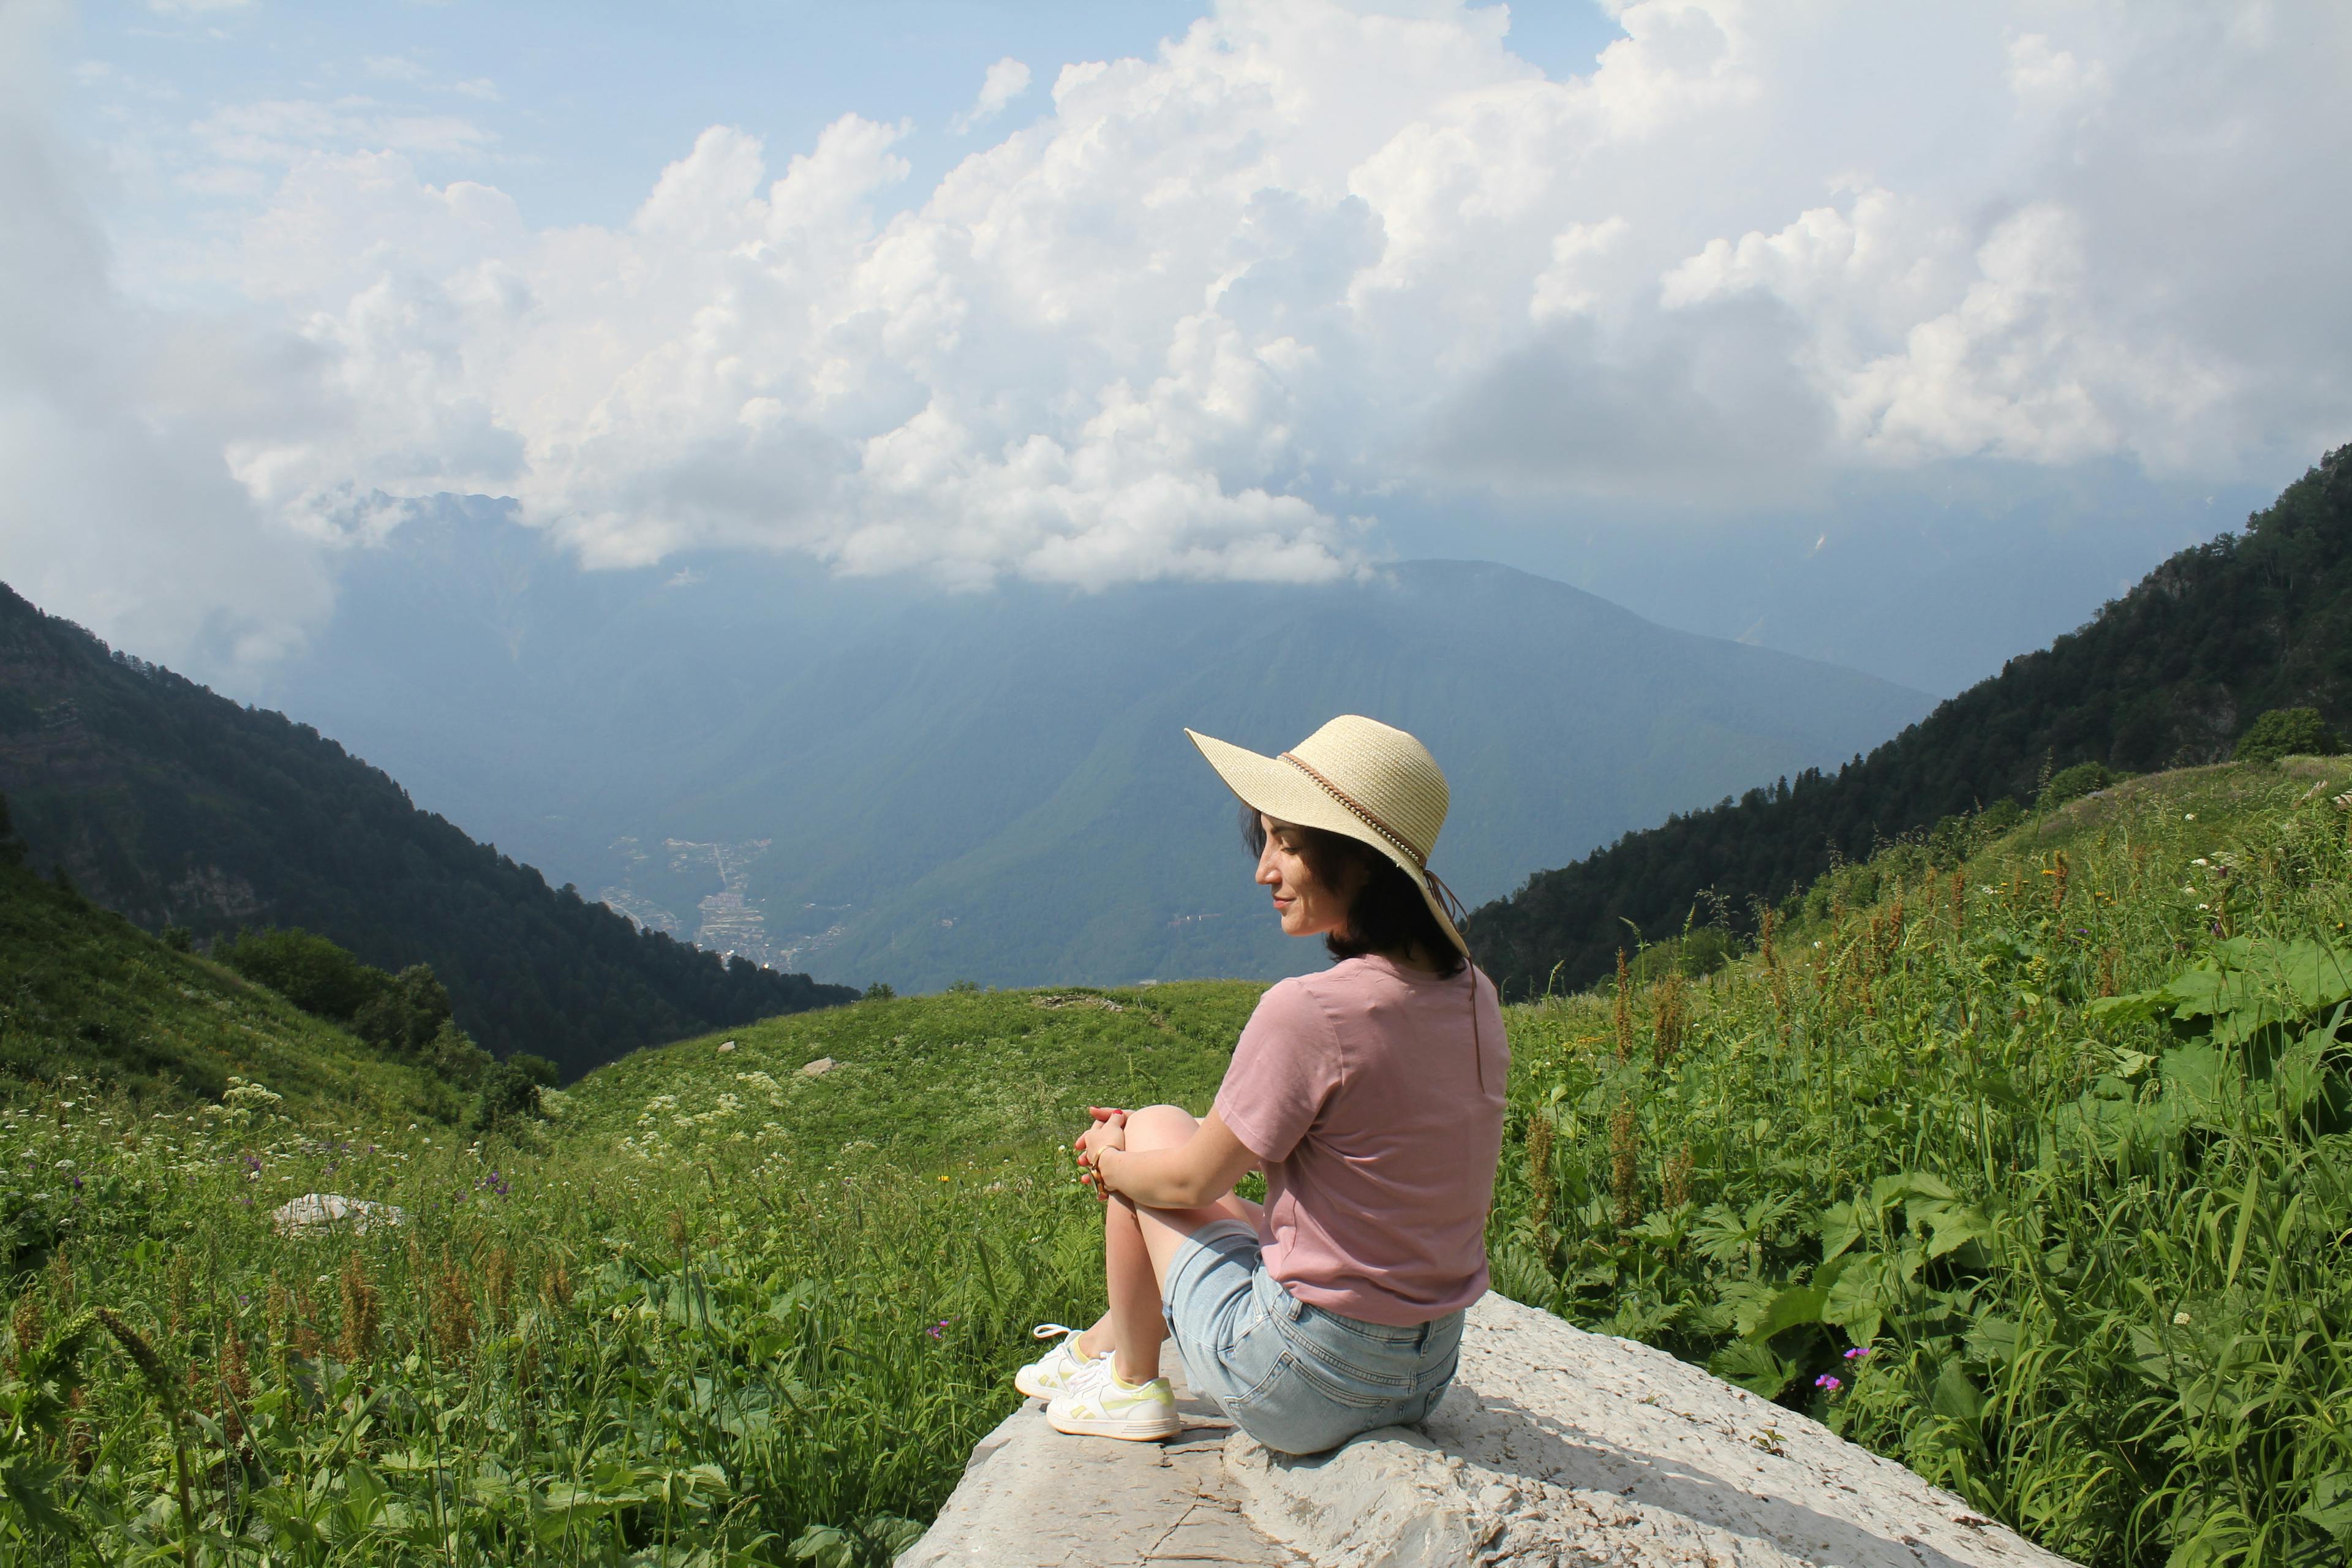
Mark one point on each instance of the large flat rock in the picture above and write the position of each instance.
(1031, 1498)
(1555, 1446)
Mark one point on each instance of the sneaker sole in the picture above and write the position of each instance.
(1129, 1431)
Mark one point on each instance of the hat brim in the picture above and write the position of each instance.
(1282, 792)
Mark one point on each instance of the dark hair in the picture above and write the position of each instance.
(1388, 913)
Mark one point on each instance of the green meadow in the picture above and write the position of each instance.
(2020, 1155)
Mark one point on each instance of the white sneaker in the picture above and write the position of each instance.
(1098, 1404)
(1053, 1372)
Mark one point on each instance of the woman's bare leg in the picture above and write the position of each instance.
(1138, 1245)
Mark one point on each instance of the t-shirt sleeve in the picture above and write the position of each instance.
(1282, 1071)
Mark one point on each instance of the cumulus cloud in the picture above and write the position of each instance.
(1204, 315)
(1007, 79)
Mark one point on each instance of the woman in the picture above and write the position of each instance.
(1371, 1094)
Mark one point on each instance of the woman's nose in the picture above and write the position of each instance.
(1268, 873)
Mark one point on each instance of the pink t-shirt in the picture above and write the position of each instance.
(1377, 1123)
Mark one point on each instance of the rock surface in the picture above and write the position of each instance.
(316, 1214)
(1030, 1496)
(1554, 1446)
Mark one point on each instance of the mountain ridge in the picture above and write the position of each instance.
(2169, 673)
(174, 805)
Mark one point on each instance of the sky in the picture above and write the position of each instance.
(1899, 335)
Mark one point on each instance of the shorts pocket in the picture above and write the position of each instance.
(1374, 1364)
(1267, 1384)
(1342, 1388)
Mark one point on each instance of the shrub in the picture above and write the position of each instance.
(510, 1089)
(452, 1055)
(2288, 732)
(405, 1014)
(2074, 784)
(1695, 955)
(307, 970)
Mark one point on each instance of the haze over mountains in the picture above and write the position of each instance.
(832, 775)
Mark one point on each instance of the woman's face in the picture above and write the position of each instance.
(1309, 907)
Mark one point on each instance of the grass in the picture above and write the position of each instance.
(87, 992)
(2079, 1199)
(1929, 1171)
(714, 1311)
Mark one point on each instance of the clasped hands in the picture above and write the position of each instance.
(1109, 1132)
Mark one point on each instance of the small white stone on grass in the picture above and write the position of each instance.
(819, 1068)
(317, 1214)
(729, 1046)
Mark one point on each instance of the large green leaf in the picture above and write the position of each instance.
(1841, 1228)
(1955, 1397)
(1794, 1306)
(2196, 1079)
(1861, 1294)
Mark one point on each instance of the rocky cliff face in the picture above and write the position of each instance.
(1555, 1446)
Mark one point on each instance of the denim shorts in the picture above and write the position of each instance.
(1298, 1378)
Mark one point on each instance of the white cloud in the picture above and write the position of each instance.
(1007, 79)
(394, 68)
(116, 505)
(1203, 314)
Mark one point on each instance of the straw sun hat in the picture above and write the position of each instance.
(1356, 777)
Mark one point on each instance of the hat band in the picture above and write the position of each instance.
(1420, 861)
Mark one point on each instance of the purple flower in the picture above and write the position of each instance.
(1858, 1353)
(938, 1330)
(1826, 1380)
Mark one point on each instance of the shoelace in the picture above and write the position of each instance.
(1050, 1331)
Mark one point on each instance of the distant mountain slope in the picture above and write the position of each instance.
(174, 805)
(892, 784)
(2168, 674)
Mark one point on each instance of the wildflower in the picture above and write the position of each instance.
(2179, 1320)
(1826, 1380)
(938, 1330)
(1859, 1353)
(2201, 860)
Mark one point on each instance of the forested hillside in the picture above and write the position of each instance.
(2169, 674)
(177, 806)
(94, 1000)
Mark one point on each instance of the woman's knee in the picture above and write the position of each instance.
(1160, 1127)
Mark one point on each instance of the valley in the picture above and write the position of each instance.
(923, 769)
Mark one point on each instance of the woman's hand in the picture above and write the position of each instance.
(1108, 1132)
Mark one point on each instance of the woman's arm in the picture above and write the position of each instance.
(1195, 1173)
